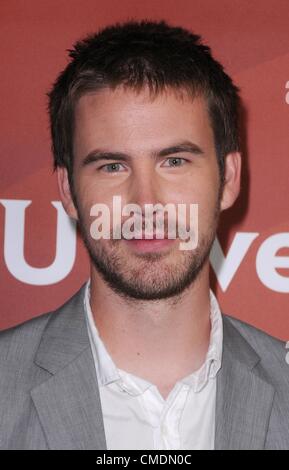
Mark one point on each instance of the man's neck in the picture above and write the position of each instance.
(160, 341)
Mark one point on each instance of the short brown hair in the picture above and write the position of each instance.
(135, 54)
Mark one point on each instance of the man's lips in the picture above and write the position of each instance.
(147, 245)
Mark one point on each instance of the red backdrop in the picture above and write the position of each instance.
(251, 39)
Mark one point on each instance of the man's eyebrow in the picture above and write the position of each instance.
(99, 154)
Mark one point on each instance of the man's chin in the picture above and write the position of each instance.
(147, 276)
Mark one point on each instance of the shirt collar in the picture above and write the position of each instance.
(107, 372)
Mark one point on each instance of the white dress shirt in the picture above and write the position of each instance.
(135, 414)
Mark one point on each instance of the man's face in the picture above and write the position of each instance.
(133, 124)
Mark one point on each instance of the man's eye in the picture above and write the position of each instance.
(175, 161)
(111, 167)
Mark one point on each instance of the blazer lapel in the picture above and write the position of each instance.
(244, 397)
(68, 403)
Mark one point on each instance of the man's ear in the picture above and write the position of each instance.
(232, 174)
(65, 193)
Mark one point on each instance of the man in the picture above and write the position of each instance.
(141, 357)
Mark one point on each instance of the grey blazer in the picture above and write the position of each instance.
(49, 397)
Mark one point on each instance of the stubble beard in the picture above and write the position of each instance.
(148, 276)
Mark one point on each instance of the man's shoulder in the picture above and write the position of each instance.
(272, 351)
(259, 339)
(20, 341)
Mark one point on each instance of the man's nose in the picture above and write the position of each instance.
(145, 188)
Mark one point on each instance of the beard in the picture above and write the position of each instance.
(152, 275)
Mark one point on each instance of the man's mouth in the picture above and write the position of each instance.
(145, 245)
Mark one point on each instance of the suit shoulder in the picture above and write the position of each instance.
(19, 343)
(21, 340)
(262, 342)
